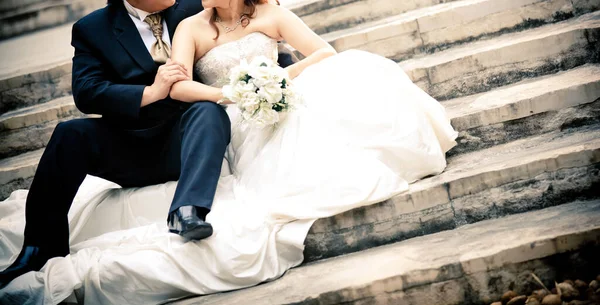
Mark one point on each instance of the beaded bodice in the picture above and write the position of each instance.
(213, 68)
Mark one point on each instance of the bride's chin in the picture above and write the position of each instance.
(209, 4)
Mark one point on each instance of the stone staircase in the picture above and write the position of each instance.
(520, 80)
(22, 16)
(472, 264)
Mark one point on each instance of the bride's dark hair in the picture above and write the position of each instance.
(245, 17)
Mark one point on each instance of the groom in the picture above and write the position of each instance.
(121, 71)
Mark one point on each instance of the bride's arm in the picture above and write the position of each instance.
(183, 51)
(295, 32)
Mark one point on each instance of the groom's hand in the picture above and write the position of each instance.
(168, 74)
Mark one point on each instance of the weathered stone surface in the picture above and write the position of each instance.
(21, 167)
(307, 7)
(25, 54)
(38, 87)
(30, 128)
(27, 139)
(45, 14)
(438, 27)
(473, 264)
(39, 114)
(32, 75)
(563, 119)
(20, 184)
(519, 176)
(483, 120)
(356, 12)
(488, 64)
(562, 90)
(10, 5)
(586, 6)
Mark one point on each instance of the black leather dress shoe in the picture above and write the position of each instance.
(30, 259)
(186, 222)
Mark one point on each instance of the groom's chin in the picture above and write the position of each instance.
(166, 4)
(169, 3)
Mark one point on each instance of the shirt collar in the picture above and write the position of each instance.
(136, 12)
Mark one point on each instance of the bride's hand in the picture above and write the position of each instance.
(221, 99)
(225, 101)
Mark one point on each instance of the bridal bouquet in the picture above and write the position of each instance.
(262, 91)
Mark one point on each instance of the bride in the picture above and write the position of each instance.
(363, 132)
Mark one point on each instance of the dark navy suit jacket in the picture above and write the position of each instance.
(112, 66)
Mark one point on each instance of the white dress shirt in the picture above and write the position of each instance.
(144, 28)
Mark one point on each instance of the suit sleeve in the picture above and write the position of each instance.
(286, 56)
(93, 92)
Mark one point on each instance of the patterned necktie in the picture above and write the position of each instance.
(160, 51)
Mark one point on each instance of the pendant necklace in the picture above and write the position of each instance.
(228, 29)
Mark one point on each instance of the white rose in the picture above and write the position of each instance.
(261, 70)
(247, 116)
(260, 75)
(249, 102)
(236, 91)
(242, 87)
(238, 73)
(266, 116)
(230, 94)
(261, 60)
(271, 92)
(279, 74)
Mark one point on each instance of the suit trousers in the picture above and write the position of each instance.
(188, 147)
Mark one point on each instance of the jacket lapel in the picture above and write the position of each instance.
(129, 37)
(173, 16)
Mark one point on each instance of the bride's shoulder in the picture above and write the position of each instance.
(269, 6)
(273, 9)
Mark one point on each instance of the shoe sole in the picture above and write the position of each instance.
(197, 233)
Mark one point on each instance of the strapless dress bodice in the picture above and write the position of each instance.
(213, 68)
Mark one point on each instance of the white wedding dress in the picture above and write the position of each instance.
(362, 134)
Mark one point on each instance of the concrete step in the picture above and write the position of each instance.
(459, 71)
(556, 102)
(30, 128)
(438, 27)
(332, 15)
(561, 101)
(38, 114)
(40, 15)
(30, 74)
(19, 141)
(474, 264)
(522, 175)
(519, 176)
(17, 172)
(11, 5)
(564, 101)
(483, 65)
(307, 7)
